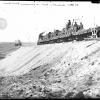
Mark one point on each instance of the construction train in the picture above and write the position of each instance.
(69, 33)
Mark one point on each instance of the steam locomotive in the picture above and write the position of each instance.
(69, 33)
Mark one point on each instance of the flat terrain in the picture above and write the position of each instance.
(6, 48)
(9, 47)
(60, 70)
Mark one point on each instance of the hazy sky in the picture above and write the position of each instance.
(27, 19)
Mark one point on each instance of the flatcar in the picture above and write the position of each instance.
(69, 33)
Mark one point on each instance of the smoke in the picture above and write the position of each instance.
(3, 23)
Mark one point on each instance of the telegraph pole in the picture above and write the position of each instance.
(94, 33)
(94, 21)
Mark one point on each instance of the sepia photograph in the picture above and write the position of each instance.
(49, 49)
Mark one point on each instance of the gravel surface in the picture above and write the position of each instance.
(64, 70)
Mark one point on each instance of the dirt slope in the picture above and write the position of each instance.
(72, 67)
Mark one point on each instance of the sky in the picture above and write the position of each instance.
(25, 20)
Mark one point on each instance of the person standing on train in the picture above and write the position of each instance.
(68, 24)
(80, 26)
(76, 26)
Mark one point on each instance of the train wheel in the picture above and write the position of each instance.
(57, 41)
(61, 40)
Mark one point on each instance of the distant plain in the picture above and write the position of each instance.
(6, 48)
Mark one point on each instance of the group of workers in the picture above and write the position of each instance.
(75, 25)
